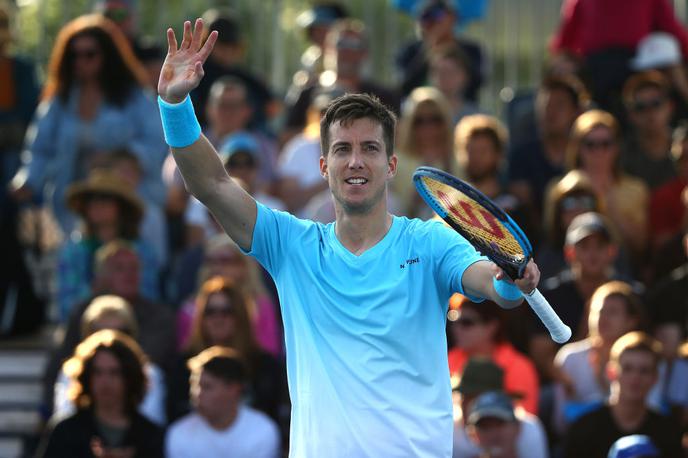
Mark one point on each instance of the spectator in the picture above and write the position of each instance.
(478, 331)
(345, 53)
(107, 383)
(435, 22)
(110, 210)
(221, 423)
(635, 446)
(669, 395)
(647, 147)
(583, 384)
(94, 101)
(535, 161)
(594, 148)
(223, 316)
(493, 425)
(123, 14)
(481, 376)
(606, 40)
(632, 369)
(450, 72)
(227, 60)
(425, 138)
(113, 312)
(565, 199)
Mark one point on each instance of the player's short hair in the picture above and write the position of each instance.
(351, 107)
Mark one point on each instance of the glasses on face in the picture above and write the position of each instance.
(217, 311)
(577, 203)
(86, 54)
(641, 106)
(596, 144)
(432, 120)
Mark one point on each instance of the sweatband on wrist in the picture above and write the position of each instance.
(506, 290)
(179, 122)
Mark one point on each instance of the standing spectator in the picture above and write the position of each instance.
(107, 383)
(450, 71)
(221, 423)
(594, 148)
(606, 40)
(227, 59)
(478, 331)
(632, 370)
(113, 312)
(110, 210)
(345, 54)
(425, 137)
(647, 147)
(94, 101)
(435, 22)
(583, 384)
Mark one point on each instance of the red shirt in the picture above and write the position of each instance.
(519, 372)
(592, 25)
(666, 208)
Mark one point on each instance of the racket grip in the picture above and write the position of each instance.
(559, 332)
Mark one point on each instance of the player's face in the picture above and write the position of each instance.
(357, 166)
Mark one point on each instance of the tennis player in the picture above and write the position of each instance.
(363, 299)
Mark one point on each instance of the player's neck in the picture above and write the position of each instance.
(360, 232)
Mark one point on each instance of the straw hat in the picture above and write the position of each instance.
(104, 182)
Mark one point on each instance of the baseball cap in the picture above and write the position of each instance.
(493, 404)
(585, 225)
(241, 142)
(656, 50)
(635, 446)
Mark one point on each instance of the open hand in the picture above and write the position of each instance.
(183, 68)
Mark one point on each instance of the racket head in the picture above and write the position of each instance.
(473, 215)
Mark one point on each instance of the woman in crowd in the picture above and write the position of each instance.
(94, 101)
(107, 383)
(583, 384)
(113, 312)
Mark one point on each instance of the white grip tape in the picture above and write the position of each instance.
(559, 332)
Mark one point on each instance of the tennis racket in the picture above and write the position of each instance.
(490, 230)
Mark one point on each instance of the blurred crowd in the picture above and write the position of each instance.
(171, 341)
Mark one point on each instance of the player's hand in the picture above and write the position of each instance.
(183, 67)
(529, 281)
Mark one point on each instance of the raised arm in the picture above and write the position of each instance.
(198, 162)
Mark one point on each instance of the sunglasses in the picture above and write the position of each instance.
(577, 203)
(87, 54)
(428, 120)
(590, 144)
(648, 105)
(217, 311)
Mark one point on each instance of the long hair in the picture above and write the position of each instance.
(120, 71)
(79, 368)
(583, 125)
(243, 339)
(420, 97)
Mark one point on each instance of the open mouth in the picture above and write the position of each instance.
(356, 181)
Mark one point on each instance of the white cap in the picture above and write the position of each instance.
(656, 50)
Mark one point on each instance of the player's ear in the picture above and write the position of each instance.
(392, 166)
(323, 167)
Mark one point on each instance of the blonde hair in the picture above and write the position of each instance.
(419, 97)
(583, 125)
(475, 125)
(105, 306)
(575, 182)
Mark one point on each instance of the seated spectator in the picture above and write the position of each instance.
(223, 317)
(221, 423)
(425, 137)
(632, 369)
(113, 312)
(669, 395)
(493, 425)
(583, 384)
(109, 210)
(481, 376)
(478, 330)
(450, 72)
(634, 446)
(107, 383)
(565, 199)
(534, 162)
(647, 142)
(594, 149)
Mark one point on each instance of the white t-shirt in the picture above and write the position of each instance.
(300, 159)
(531, 441)
(252, 435)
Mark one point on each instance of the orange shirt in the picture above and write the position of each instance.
(519, 372)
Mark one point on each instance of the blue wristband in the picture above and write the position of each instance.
(506, 290)
(179, 122)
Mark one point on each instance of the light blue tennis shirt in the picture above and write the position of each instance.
(365, 335)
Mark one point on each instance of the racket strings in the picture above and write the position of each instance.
(474, 219)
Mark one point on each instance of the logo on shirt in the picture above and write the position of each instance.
(409, 262)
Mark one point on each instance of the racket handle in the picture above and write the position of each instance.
(559, 332)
